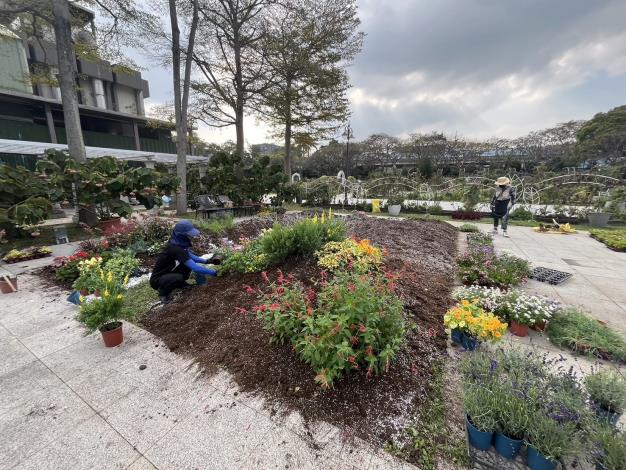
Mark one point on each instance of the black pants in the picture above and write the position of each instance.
(166, 283)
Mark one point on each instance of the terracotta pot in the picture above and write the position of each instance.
(519, 330)
(8, 287)
(84, 292)
(541, 326)
(112, 334)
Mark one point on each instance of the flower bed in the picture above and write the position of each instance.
(16, 256)
(613, 239)
(214, 325)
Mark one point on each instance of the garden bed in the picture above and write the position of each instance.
(204, 324)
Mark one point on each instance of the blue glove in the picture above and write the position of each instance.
(196, 268)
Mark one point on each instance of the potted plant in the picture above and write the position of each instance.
(512, 413)
(599, 216)
(549, 441)
(394, 205)
(88, 280)
(526, 311)
(607, 392)
(106, 312)
(480, 420)
(610, 452)
(469, 322)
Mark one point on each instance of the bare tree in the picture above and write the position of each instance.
(231, 61)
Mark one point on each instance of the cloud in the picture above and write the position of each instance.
(455, 65)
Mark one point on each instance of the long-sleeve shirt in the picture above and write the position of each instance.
(502, 200)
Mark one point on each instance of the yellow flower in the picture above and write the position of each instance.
(106, 292)
(330, 213)
(119, 297)
(126, 280)
(465, 303)
(110, 276)
(323, 218)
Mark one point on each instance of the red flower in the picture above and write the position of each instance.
(354, 340)
(281, 278)
(309, 310)
(260, 308)
(249, 289)
(369, 372)
(431, 333)
(280, 291)
(351, 359)
(274, 307)
(362, 328)
(351, 287)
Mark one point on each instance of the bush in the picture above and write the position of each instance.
(89, 274)
(103, 312)
(249, 258)
(67, 267)
(328, 335)
(521, 213)
(122, 263)
(480, 265)
(552, 438)
(611, 448)
(607, 389)
(469, 228)
(303, 238)
(351, 254)
(614, 239)
(527, 309)
(579, 332)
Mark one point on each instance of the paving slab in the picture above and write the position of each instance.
(91, 444)
(20, 384)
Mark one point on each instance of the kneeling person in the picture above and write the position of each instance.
(174, 265)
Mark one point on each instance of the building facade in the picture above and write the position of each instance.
(111, 102)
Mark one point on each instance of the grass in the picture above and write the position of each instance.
(575, 330)
(217, 226)
(432, 437)
(74, 233)
(140, 298)
(612, 238)
(469, 228)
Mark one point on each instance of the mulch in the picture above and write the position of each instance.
(203, 323)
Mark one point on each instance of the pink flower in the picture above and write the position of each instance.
(264, 276)
(249, 289)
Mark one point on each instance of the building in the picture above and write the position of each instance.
(111, 101)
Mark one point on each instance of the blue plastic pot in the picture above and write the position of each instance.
(599, 466)
(469, 343)
(456, 336)
(536, 461)
(609, 416)
(507, 447)
(479, 439)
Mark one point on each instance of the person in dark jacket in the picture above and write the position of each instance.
(501, 203)
(176, 262)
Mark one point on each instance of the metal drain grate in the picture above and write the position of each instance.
(551, 276)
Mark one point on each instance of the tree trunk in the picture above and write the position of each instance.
(181, 128)
(67, 79)
(239, 129)
(287, 165)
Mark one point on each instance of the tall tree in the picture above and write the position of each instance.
(181, 94)
(231, 60)
(308, 46)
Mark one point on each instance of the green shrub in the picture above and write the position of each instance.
(122, 263)
(479, 239)
(615, 239)
(521, 213)
(251, 259)
(216, 226)
(353, 321)
(469, 228)
(611, 447)
(581, 333)
(607, 389)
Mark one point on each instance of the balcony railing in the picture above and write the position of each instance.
(27, 131)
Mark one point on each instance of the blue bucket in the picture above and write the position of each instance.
(456, 336)
(469, 343)
(478, 439)
(507, 447)
(536, 461)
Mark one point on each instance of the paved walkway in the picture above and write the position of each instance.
(598, 284)
(67, 402)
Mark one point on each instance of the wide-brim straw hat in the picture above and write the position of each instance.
(503, 180)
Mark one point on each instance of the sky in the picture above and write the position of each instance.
(475, 68)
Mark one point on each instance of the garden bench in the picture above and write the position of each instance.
(219, 206)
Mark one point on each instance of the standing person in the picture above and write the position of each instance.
(176, 262)
(501, 203)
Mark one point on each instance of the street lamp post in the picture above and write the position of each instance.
(346, 170)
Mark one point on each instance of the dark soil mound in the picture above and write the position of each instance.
(203, 323)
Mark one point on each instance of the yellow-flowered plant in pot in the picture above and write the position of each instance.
(351, 254)
(88, 280)
(470, 324)
(105, 313)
